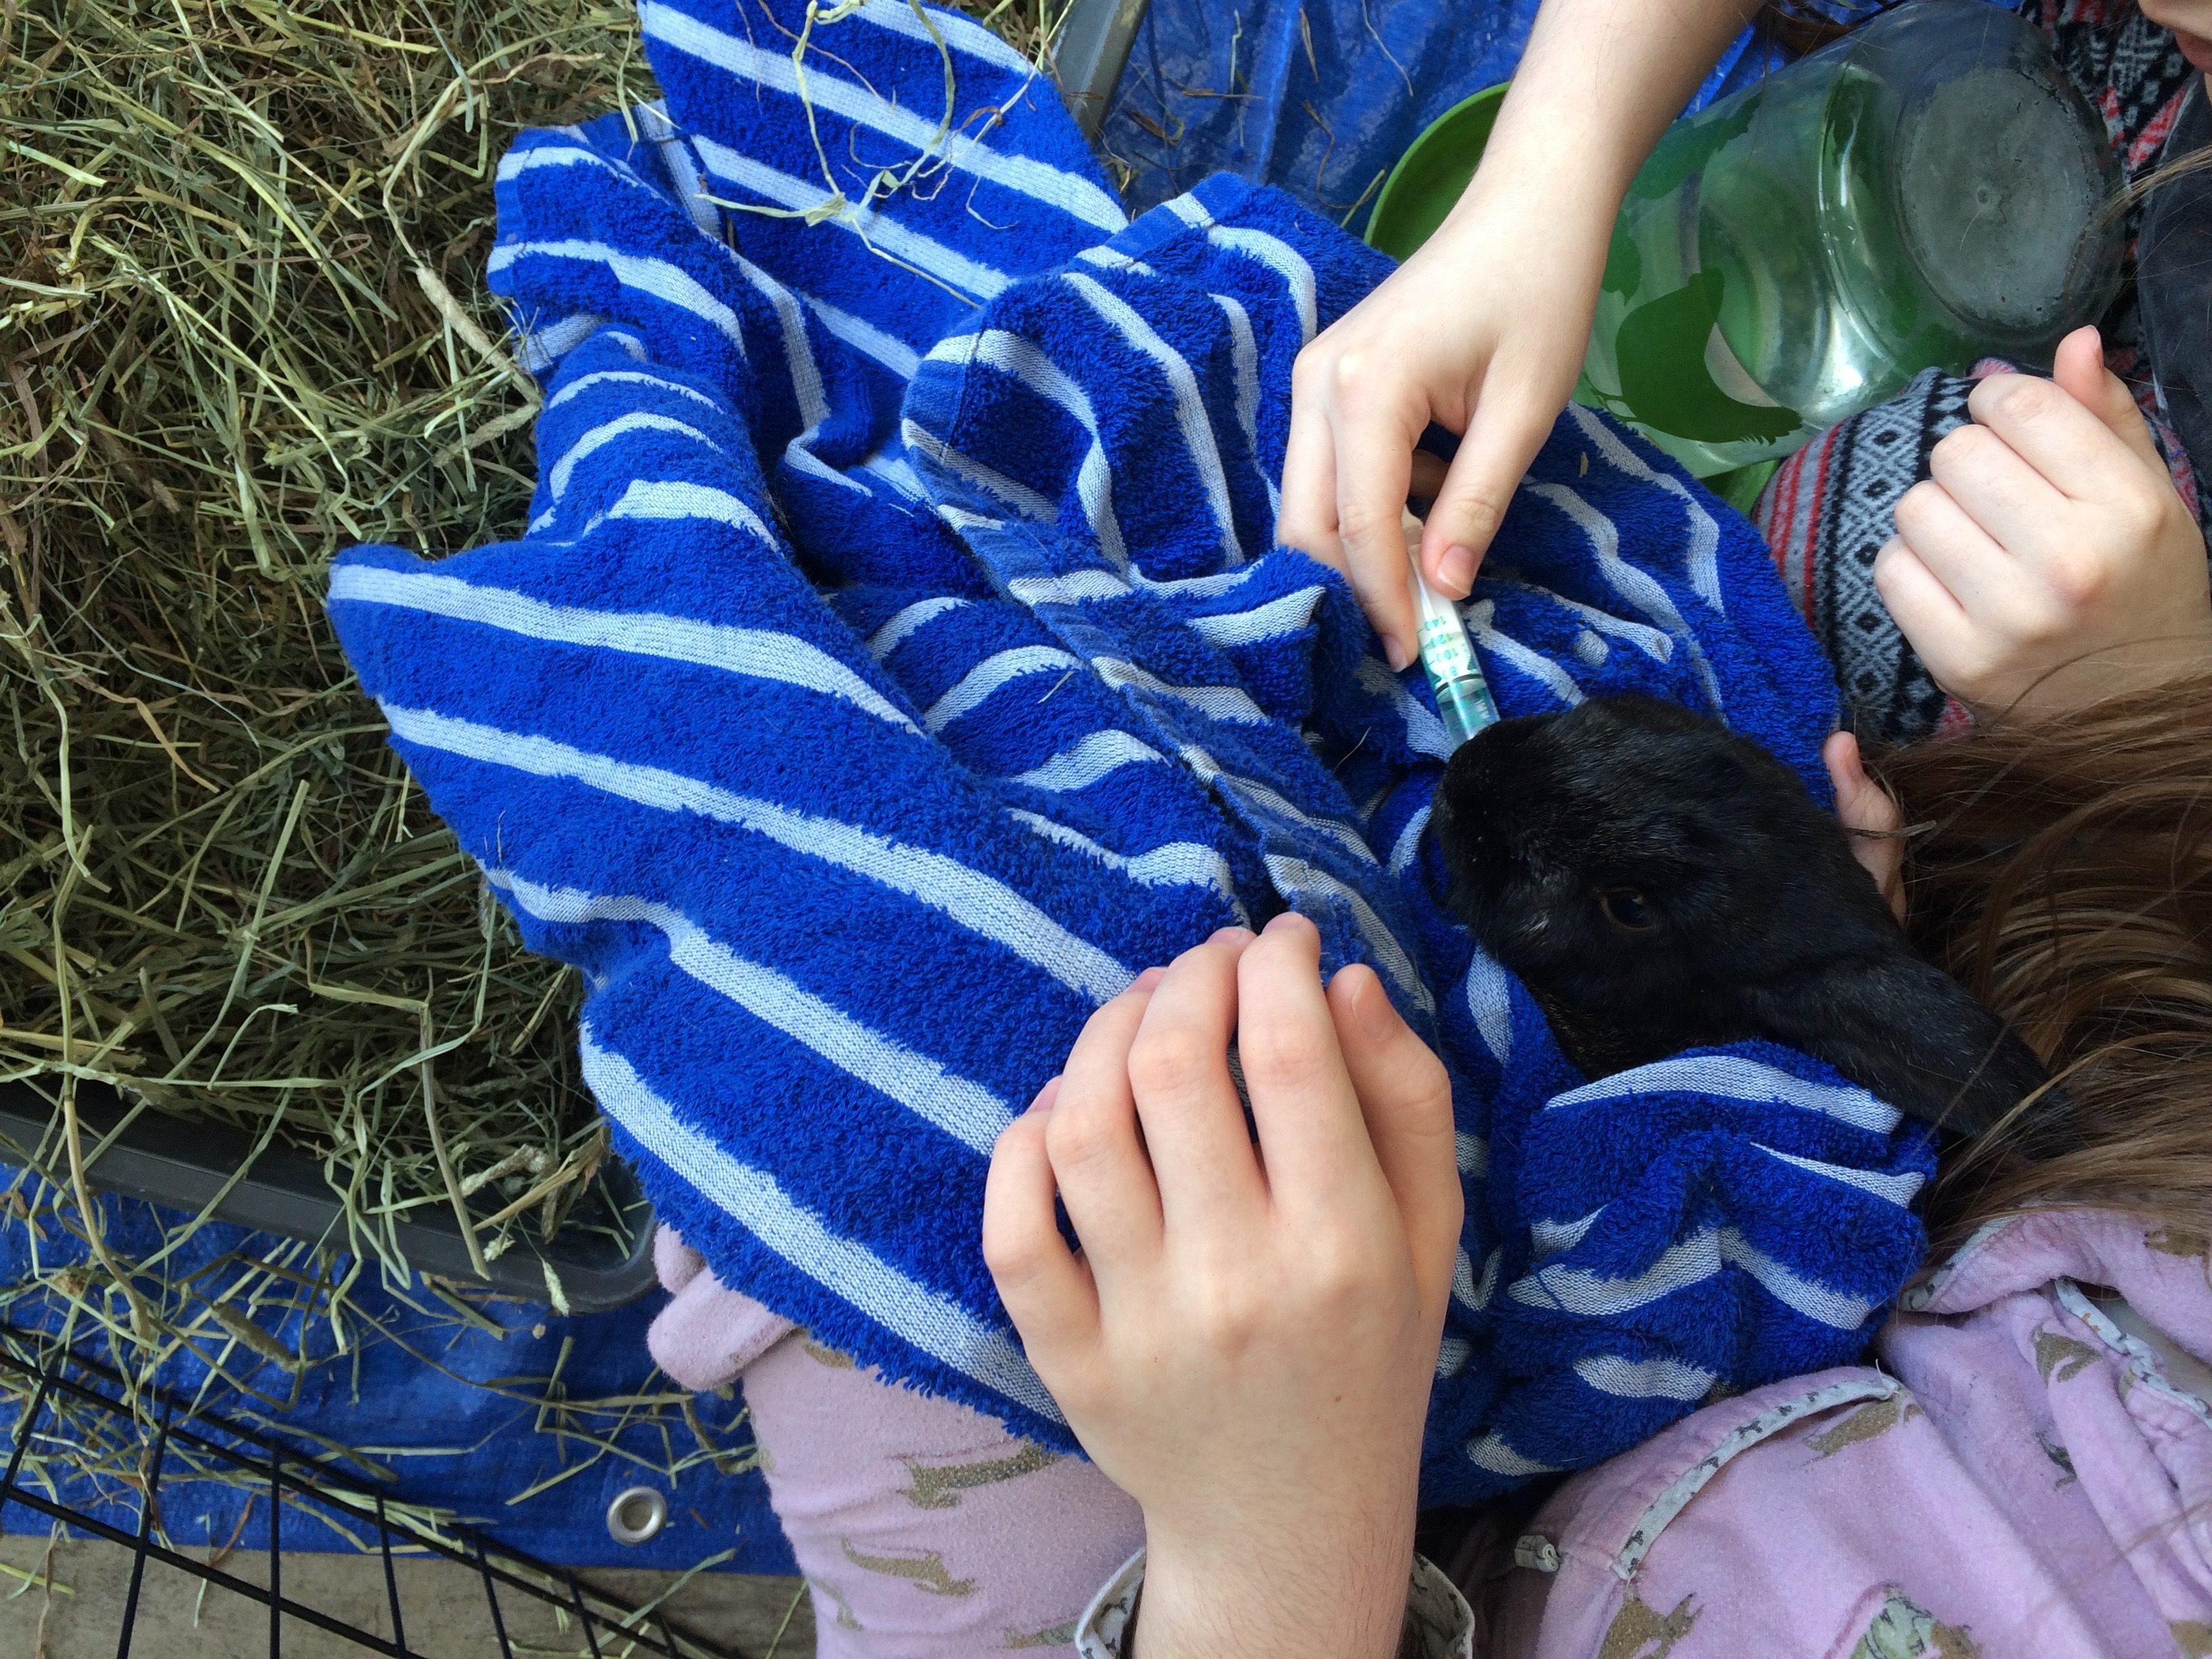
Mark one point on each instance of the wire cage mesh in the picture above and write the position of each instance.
(66, 1394)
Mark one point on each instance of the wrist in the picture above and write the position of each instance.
(1601, 80)
(2115, 671)
(1535, 189)
(1260, 1592)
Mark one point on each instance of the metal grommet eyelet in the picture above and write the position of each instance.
(636, 1515)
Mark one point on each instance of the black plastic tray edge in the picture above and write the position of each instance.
(1090, 54)
(183, 1166)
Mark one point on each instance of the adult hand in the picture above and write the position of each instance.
(1246, 1342)
(2048, 560)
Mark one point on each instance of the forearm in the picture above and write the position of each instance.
(1599, 82)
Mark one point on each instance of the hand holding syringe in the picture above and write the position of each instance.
(1446, 655)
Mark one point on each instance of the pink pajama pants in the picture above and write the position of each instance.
(924, 1529)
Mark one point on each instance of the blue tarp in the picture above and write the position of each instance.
(1320, 98)
(448, 1410)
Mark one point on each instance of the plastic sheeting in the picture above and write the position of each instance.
(1320, 98)
(446, 1409)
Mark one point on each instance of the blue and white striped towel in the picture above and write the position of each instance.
(898, 661)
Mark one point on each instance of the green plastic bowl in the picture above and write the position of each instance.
(1432, 174)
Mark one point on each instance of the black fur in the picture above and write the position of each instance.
(1736, 910)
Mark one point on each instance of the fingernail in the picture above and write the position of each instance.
(1149, 978)
(1229, 935)
(1395, 652)
(1455, 572)
(1046, 1095)
(1373, 1008)
(1286, 922)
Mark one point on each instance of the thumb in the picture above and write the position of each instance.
(2081, 373)
(1507, 429)
(1406, 1099)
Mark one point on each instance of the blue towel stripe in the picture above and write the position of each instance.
(898, 658)
(925, 1318)
(966, 1110)
(758, 653)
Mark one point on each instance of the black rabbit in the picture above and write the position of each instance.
(1660, 883)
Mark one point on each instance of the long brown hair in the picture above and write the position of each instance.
(2062, 868)
(2167, 172)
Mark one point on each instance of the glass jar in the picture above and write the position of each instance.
(1927, 191)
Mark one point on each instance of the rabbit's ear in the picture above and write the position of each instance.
(1905, 1030)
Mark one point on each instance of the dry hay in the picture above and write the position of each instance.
(242, 326)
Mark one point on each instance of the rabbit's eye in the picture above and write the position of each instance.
(1625, 908)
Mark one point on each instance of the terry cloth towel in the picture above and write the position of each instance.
(898, 661)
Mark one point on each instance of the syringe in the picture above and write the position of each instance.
(1447, 655)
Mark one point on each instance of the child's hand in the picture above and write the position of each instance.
(1483, 331)
(1436, 342)
(2048, 561)
(1245, 1344)
(1868, 813)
